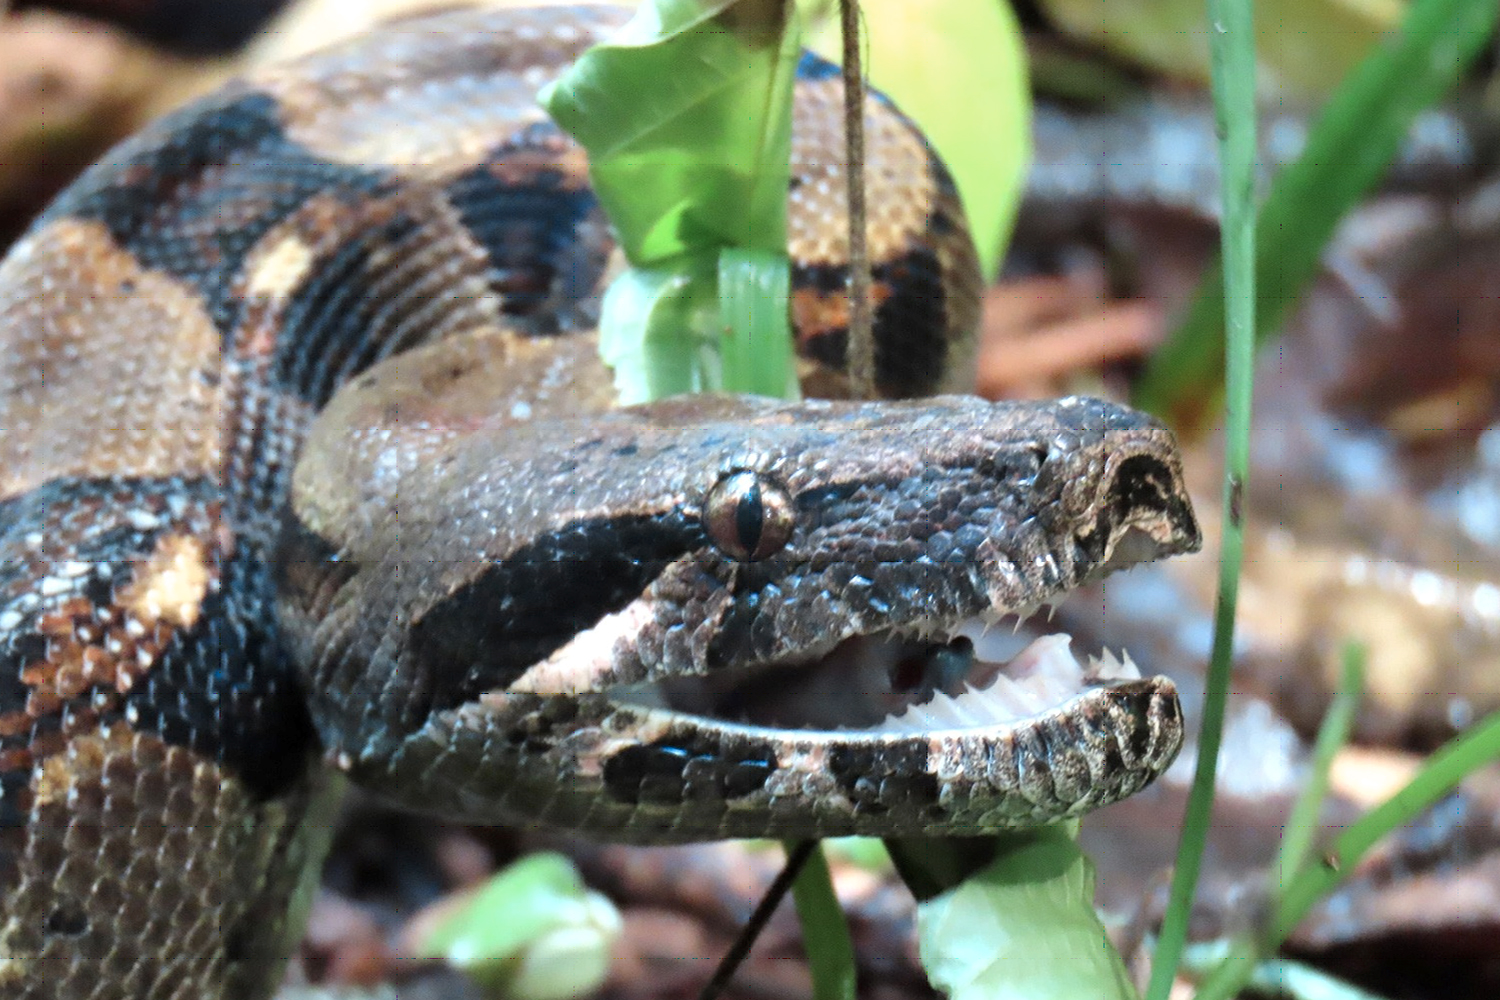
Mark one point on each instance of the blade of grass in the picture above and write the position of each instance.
(1276, 977)
(1461, 757)
(1245, 956)
(1232, 59)
(1333, 733)
(1458, 759)
(825, 933)
(1347, 151)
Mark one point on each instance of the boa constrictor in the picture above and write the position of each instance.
(308, 464)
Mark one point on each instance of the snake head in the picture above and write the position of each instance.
(807, 525)
(784, 608)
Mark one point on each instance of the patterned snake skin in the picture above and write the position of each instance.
(485, 590)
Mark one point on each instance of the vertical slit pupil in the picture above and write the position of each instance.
(750, 517)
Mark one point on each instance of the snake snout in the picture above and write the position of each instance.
(1142, 511)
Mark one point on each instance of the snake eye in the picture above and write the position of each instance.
(748, 517)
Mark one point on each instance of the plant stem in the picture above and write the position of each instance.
(1231, 41)
(796, 856)
(861, 350)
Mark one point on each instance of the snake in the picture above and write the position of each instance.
(310, 474)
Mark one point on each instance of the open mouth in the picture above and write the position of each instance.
(991, 671)
(986, 673)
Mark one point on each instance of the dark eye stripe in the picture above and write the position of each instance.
(750, 517)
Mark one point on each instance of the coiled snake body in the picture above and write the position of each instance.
(485, 590)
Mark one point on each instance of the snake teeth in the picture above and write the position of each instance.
(924, 677)
(1109, 667)
(1041, 677)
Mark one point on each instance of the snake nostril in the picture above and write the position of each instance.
(1145, 493)
(1141, 481)
(66, 921)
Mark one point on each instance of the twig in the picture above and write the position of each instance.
(796, 857)
(861, 351)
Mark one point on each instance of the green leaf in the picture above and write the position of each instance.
(686, 117)
(533, 932)
(658, 329)
(1023, 929)
(757, 344)
(958, 69)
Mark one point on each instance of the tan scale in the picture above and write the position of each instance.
(82, 393)
(275, 273)
(347, 108)
(82, 872)
(900, 191)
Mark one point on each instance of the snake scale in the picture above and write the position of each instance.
(485, 590)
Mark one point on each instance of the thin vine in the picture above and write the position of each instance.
(861, 326)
